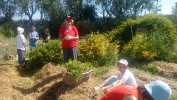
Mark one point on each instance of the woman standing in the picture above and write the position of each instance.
(46, 36)
(69, 35)
(21, 46)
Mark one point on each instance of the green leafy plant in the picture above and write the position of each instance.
(76, 69)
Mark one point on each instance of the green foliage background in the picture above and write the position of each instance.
(43, 53)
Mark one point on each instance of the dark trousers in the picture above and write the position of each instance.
(21, 58)
(69, 53)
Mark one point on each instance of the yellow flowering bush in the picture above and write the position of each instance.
(97, 50)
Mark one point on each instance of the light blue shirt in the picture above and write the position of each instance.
(33, 42)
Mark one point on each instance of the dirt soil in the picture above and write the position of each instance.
(47, 83)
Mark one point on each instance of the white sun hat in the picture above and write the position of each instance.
(20, 30)
(159, 90)
(123, 61)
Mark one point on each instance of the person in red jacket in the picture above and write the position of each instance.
(157, 90)
(69, 35)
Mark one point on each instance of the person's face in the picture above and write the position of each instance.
(121, 67)
(68, 22)
(145, 97)
(33, 28)
(46, 31)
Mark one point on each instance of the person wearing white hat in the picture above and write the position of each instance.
(157, 90)
(21, 46)
(125, 78)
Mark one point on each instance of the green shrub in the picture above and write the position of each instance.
(148, 24)
(140, 49)
(6, 30)
(156, 46)
(157, 35)
(163, 43)
(151, 68)
(97, 50)
(52, 52)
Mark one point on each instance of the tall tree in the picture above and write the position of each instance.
(7, 9)
(74, 7)
(157, 5)
(28, 7)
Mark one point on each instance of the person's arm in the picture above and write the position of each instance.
(118, 84)
(24, 45)
(122, 80)
(24, 42)
(76, 37)
(61, 38)
(37, 37)
(48, 37)
(30, 37)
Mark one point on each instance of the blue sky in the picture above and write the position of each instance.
(167, 6)
(166, 9)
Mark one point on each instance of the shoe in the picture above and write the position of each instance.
(97, 88)
(20, 67)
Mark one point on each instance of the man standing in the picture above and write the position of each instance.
(33, 38)
(21, 46)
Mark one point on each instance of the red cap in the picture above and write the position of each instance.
(69, 18)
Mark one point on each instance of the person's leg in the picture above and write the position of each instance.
(74, 53)
(21, 57)
(66, 55)
(110, 81)
(107, 83)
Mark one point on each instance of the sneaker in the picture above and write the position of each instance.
(97, 88)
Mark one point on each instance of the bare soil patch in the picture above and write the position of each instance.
(47, 84)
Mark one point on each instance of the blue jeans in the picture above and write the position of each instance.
(111, 81)
(21, 57)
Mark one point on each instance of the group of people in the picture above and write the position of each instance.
(68, 34)
(33, 41)
(124, 87)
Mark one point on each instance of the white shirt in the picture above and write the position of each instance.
(127, 78)
(20, 40)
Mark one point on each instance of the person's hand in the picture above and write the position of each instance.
(106, 90)
(71, 37)
(26, 48)
(68, 37)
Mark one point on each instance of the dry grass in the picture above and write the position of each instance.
(47, 84)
